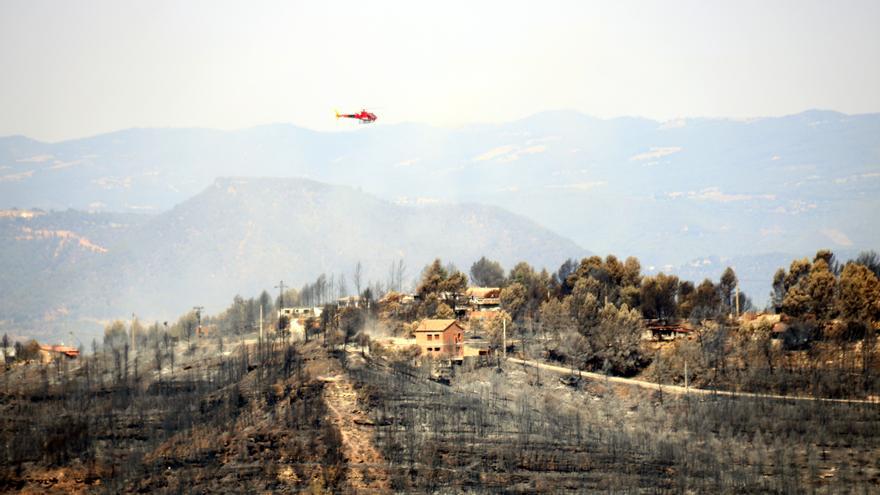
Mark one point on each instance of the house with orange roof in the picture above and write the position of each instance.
(440, 338)
(47, 352)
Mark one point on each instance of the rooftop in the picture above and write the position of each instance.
(429, 325)
(483, 291)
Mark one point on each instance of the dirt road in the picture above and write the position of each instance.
(366, 473)
(676, 389)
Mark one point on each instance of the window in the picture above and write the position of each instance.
(429, 336)
(437, 349)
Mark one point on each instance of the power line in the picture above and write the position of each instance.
(280, 288)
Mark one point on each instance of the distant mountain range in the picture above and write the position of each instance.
(668, 192)
(688, 196)
(64, 270)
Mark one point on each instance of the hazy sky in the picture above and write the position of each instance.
(71, 69)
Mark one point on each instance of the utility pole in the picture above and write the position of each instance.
(504, 336)
(261, 324)
(133, 340)
(280, 288)
(737, 300)
(198, 310)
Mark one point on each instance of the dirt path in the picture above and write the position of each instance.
(676, 389)
(366, 472)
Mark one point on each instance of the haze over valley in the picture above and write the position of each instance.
(689, 196)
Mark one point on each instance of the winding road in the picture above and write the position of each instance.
(677, 389)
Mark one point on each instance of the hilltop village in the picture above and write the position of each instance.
(598, 315)
(593, 378)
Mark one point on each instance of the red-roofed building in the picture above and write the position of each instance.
(66, 351)
(440, 338)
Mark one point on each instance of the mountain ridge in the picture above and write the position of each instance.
(241, 235)
(666, 192)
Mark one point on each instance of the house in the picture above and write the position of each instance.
(349, 302)
(662, 330)
(206, 330)
(484, 298)
(440, 338)
(301, 312)
(47, 352)
(483, 317)
(8, 354)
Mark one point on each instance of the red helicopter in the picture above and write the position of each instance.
(364, 116)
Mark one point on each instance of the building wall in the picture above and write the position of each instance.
(448, 343)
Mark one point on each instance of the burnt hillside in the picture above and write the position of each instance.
(242, 417)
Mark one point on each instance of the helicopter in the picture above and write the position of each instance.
(364, 116)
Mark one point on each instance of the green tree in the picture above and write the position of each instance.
(580, 350)
(685, 298)
(433, 277)
(809, 287)
(523, 273)
(584, 305)
(444, 312)
(513, 299)
(798, 270)
(870, 260)
(556, 323)
(727, 287)
(563, 276)
(186, 326)
(821, 286)
(615, 269)
(283, 323)
(537, 288)
(777, 296)
(115, 335)
(657, 296)
(859, 294)
(707, 302)
(266, 303)
(617, 339)
(487, 273)
(30, 350)
(593, 271)
(796, 302)
(631, 296)
(439, 284)
(632, 272)
(455, 283)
